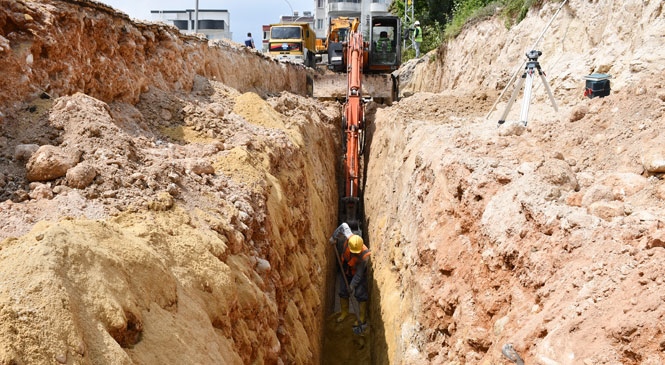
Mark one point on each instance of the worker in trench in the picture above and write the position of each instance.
(354, 257)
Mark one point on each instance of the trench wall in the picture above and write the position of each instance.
(430, 178)
(201, 237)
(63, 47)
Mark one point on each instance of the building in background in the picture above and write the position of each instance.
(266, 37)
(306, 17)
(362, 9)
(213, 23)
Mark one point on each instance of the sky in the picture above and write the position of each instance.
(246, 15)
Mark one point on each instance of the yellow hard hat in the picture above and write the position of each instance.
(355, 244)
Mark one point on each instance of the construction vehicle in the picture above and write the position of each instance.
(295, 42)
(360, 58)
(385, 54)
(353, 123)
(381, 56)
(321, 45)
(338, 29)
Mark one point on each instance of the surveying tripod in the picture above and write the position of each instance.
(532, 66)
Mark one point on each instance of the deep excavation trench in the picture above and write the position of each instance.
(340, 344)
(183, 196)
(168, 200)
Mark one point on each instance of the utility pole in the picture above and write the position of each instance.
(196, 17)
(408, 23)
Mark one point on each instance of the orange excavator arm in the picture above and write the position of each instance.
(354, 117)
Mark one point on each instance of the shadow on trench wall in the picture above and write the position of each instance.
(340, 344)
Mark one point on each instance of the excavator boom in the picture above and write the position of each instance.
(365, 63)
(354, 114)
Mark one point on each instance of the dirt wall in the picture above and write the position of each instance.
(545, 236)
(620, 38)
(155, 208)
(63, 47)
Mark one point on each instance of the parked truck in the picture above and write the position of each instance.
(293, 41)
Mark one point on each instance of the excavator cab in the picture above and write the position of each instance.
(385, 42)
(380, 55)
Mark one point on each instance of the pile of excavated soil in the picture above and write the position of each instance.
(155, 208)
(177, 235)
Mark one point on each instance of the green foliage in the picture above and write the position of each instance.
(469, 11)
(432, 15)
(444, 19)
(514, 11)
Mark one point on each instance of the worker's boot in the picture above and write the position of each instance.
(344, 305)
(362, 314)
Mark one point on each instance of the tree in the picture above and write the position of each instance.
(433, 15)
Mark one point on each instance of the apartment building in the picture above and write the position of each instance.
(362, 9)
(213, 23)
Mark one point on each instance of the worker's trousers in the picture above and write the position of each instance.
(360, 292)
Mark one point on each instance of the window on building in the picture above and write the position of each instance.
(210, 24)
(180, 24)
(319, 23)
(321, 3)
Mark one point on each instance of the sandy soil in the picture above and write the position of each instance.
(159, 212)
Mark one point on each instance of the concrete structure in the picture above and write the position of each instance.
(266, 37)
(363, 9)
(214, 23)
(306, 17)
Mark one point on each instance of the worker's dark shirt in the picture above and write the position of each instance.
(355, 265)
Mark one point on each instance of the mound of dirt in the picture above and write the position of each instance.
(150, 212)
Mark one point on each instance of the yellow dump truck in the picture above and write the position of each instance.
(293, 41)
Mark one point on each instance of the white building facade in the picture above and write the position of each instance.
(362, 9)
(213, 23)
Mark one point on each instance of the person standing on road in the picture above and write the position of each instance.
(249, 42)
(354, 257)
(418, 37)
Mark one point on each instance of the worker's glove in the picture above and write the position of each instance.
(331, 241)
(352, 288)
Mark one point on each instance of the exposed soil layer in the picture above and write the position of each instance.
(548, 237)
(155, 208)
(168, 200)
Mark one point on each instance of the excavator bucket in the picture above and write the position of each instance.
(381, 56)
(329, 85)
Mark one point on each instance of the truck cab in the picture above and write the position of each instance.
(295, 42)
